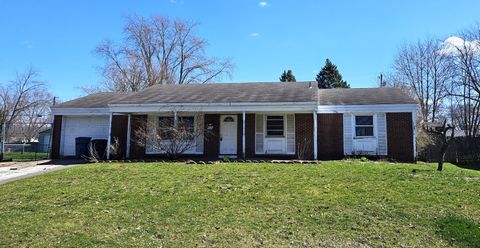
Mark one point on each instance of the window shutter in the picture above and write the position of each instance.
(290, 133)
(259, 133)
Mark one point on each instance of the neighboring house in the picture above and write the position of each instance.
(44, 139)
(250, 120)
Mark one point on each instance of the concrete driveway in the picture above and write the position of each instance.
(12, 171)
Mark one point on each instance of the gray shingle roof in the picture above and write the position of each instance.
(363, 96)
(225, 93)
(97, 100)
(244, 92)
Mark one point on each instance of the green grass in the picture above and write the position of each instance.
(335, 204)
(25, 156)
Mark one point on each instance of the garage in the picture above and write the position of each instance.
(81, 126)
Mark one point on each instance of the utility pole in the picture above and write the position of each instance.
(3, 140)
(382, 83)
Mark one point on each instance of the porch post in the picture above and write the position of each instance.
(315, 145)
(243, 134)
(109, 139)
(414, 126)
(175, 121)
(129, 133)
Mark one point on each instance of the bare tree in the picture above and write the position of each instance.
(464, 52)
(171, 137)
(24, 105)
(443, 131)
(423, 71)
(158, 50)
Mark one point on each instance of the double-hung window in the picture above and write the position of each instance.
(364, 126)
(165, 125)
(167, 128)
(186, 123)
(275, 126)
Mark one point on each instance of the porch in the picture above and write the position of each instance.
(237, 135)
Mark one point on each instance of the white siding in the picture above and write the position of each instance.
(95, 127)
(347, 133)
(376, 145)
(382, 134)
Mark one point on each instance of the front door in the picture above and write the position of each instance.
(228, 134)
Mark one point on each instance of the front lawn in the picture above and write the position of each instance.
(335, 204)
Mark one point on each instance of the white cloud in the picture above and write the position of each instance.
(263, 4)
(29, 44)
(453, 44)
(254, 34)
(176, 1)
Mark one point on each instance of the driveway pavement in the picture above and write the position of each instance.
(12, 171)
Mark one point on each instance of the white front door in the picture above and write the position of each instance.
(228, 134)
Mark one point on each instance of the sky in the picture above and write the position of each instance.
(262, 38)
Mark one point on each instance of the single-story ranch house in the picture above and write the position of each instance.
(248, 120)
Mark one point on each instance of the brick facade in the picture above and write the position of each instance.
(304, 136)
(330, 136)
(56, 136)
(137, 143)
(400, 136)
(119, 133)
(239, 136)
(250, 136)
(211, 143)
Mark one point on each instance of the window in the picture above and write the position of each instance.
(228, 119)
(166, 126)
(186, 122)
(275, 125)
(364, 126)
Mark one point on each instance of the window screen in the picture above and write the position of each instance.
(364, 126)
(275, 126)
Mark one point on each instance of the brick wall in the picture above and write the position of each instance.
(304, 135)
(56, 136)
(330, 136)
(211, 143)
(250, 135)
(137, 142)
(400, 136)
(239, 135)
(119, 133)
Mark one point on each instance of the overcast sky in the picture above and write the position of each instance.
(262, 37)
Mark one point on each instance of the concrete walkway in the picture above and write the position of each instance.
(12, 171)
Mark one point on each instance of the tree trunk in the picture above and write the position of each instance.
(443, 151)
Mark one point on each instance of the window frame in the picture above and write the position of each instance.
(173, 123)
(164, 135)
(192, 128)
(373, 126)
(283, 126)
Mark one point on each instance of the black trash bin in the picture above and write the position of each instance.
(81, 146)
(99, 148)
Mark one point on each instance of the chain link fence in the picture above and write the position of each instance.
(26, 152)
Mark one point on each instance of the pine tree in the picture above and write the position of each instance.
(330, 77)
(287, 76)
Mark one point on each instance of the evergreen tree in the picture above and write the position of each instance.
(330, 77)
(287, 76)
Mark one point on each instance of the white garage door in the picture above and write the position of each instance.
(82, 126)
